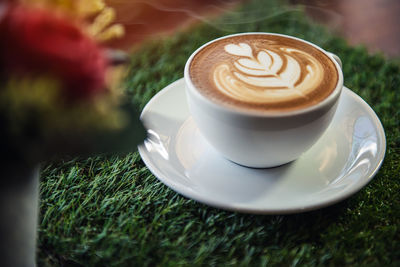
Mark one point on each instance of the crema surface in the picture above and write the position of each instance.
(263, 72)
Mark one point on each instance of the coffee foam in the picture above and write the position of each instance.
(263, 72)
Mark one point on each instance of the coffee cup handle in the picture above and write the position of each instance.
(335, 57)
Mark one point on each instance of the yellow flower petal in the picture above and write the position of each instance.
(90, 7)
(104, 19)
(112, 32)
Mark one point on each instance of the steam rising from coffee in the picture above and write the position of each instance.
(232, 16)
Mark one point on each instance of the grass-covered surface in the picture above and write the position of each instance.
(111, 211)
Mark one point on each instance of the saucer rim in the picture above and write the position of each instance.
(235, 207)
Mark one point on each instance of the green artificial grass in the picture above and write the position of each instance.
(111, 211)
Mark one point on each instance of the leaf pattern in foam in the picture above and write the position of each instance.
(267, 64)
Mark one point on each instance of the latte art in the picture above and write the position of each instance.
(262, 71)
(268, 75)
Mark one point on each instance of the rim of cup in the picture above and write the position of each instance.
(240, 111)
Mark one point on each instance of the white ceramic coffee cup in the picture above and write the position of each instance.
(260, 139)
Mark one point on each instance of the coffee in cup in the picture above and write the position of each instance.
(263, 72)
(262, 99)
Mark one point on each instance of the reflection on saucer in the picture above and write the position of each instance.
(187, 134)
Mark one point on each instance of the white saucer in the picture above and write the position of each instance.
(344, 160)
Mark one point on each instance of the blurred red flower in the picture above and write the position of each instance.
(38, 42)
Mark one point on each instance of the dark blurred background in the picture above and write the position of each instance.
(373, 23)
